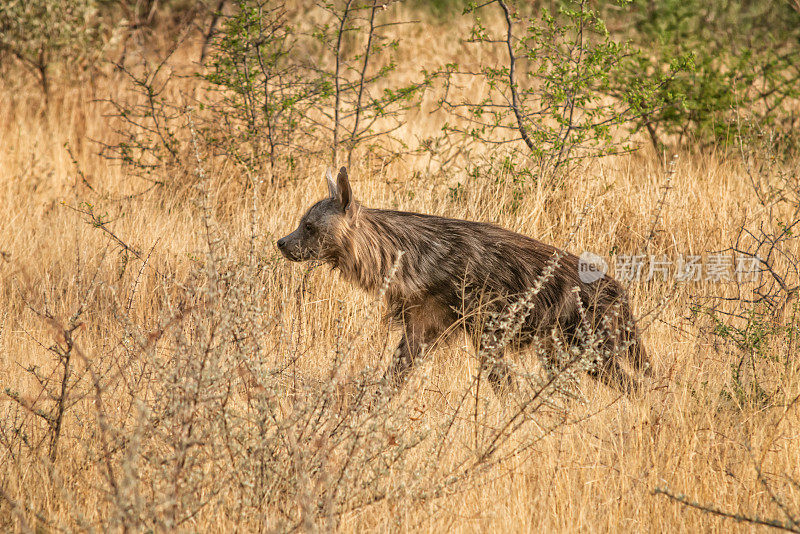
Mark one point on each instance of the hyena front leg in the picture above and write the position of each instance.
(423, 324)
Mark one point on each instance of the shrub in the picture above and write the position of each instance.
(320, 87)
(546, 99)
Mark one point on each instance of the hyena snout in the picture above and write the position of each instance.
(289, 248)
(295, 248)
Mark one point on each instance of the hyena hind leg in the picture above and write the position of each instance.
(496, 369)
(499, 376)
(610, 373)
(402, 363)
(606, 369)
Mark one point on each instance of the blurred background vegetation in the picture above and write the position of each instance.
(280, 79)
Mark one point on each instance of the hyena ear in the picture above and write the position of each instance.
(343, 185)
(333, 192)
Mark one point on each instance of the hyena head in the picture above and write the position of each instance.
(314, 238)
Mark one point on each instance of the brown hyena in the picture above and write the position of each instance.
(450, 270)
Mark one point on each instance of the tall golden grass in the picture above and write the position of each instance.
(597, 473)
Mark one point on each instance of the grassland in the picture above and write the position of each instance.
(595, 472)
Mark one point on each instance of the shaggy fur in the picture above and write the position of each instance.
(451, 272)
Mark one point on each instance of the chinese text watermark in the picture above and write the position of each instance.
(718, 267)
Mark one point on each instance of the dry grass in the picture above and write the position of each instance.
(596, 473)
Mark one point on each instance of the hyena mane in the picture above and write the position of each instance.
(450, 272)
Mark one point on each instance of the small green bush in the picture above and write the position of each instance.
(744, 56)
(44, 33)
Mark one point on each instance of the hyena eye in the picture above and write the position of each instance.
(309, 227)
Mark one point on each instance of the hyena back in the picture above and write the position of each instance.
(452, 270)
